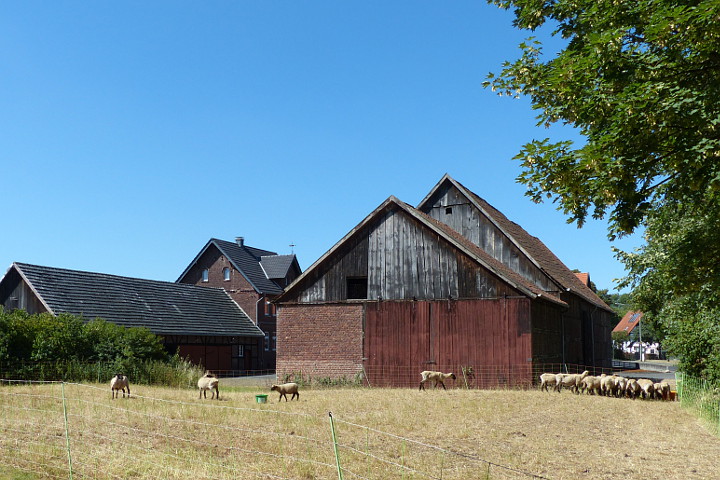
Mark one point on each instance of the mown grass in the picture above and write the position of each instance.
(383, 433)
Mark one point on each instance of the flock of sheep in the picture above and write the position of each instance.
(209, 381)
(608, 385)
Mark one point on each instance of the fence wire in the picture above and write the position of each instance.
(71, 430)
(701, 397)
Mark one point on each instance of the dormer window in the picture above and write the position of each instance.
(226, 274)
(205, 275)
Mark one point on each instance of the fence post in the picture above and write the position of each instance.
(67, 430)
(335, 447)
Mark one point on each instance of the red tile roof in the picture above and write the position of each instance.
(629, 321)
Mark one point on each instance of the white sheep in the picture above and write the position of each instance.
(647, 388)
(436, 377)
(633, 388)
(571, 380)
(117, 383)
(209, 382)
(286, 388)
(608, 385)
(662, 390)
(548, 380)
(621, 386)
(590, 385)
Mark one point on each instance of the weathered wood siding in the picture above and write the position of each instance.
(451, 207)
(401, 259)
(439, 335)
(16, 293)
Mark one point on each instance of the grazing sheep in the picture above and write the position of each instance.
(621, 385)
(647, 389)
(286, 388)
(608, 385)
(437, 377)
(209, 382)
(119, 382)
(633, 388)
(571, 380)
(590, 385)
(547, 380)
(662, 390)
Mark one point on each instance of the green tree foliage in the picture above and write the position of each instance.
(640, 81)
(46, 338)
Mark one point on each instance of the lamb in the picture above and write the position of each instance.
(437, 377)
(647, 389)
(547, 380)
(209, 382)
(119, 382)
(571, 380)
(286, 388)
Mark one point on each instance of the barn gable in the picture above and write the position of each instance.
(398, 253)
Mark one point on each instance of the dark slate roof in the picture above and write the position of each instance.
(246, 260)
(532, 246)
(277, 266)
(163, 307)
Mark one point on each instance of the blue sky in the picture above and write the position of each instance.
(133, 132)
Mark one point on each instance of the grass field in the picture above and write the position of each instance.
(382, 434)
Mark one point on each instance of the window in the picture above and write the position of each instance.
(357, 288)
(238, 351)
(205, 275)
(274, 342)
(448, 210)
(226, 274)
(267, 342)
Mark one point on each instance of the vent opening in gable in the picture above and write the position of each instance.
(357, 288)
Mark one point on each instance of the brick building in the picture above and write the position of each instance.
(252, 277)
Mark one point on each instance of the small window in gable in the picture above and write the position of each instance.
(357, 288)
(448, 210)
(205, 275)
(226, 274)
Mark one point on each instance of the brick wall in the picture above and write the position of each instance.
(320, 340)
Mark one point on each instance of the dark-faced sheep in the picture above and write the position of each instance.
(209, 382)
(436, 377)
(117, 383)
(286, 388)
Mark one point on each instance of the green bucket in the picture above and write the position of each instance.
(261, 398)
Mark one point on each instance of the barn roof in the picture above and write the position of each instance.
(531, 246)
(629, 321)
(165, 308)
(448, 234)
(250, 262)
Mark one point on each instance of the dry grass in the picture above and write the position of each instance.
(166, 433)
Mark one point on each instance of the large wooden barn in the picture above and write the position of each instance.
(452, 285)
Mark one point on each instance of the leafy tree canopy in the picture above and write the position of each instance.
(640, 80)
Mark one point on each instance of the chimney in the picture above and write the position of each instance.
(240, 241)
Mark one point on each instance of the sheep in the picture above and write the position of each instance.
(209, 382)
(633, 388)
(608, 385)
(647, 388)
(547, 380)
(286, 388)
(590, 385)
(119, 382)
(437, 377)
(571, 380)
(662, 390)
(621, 384)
